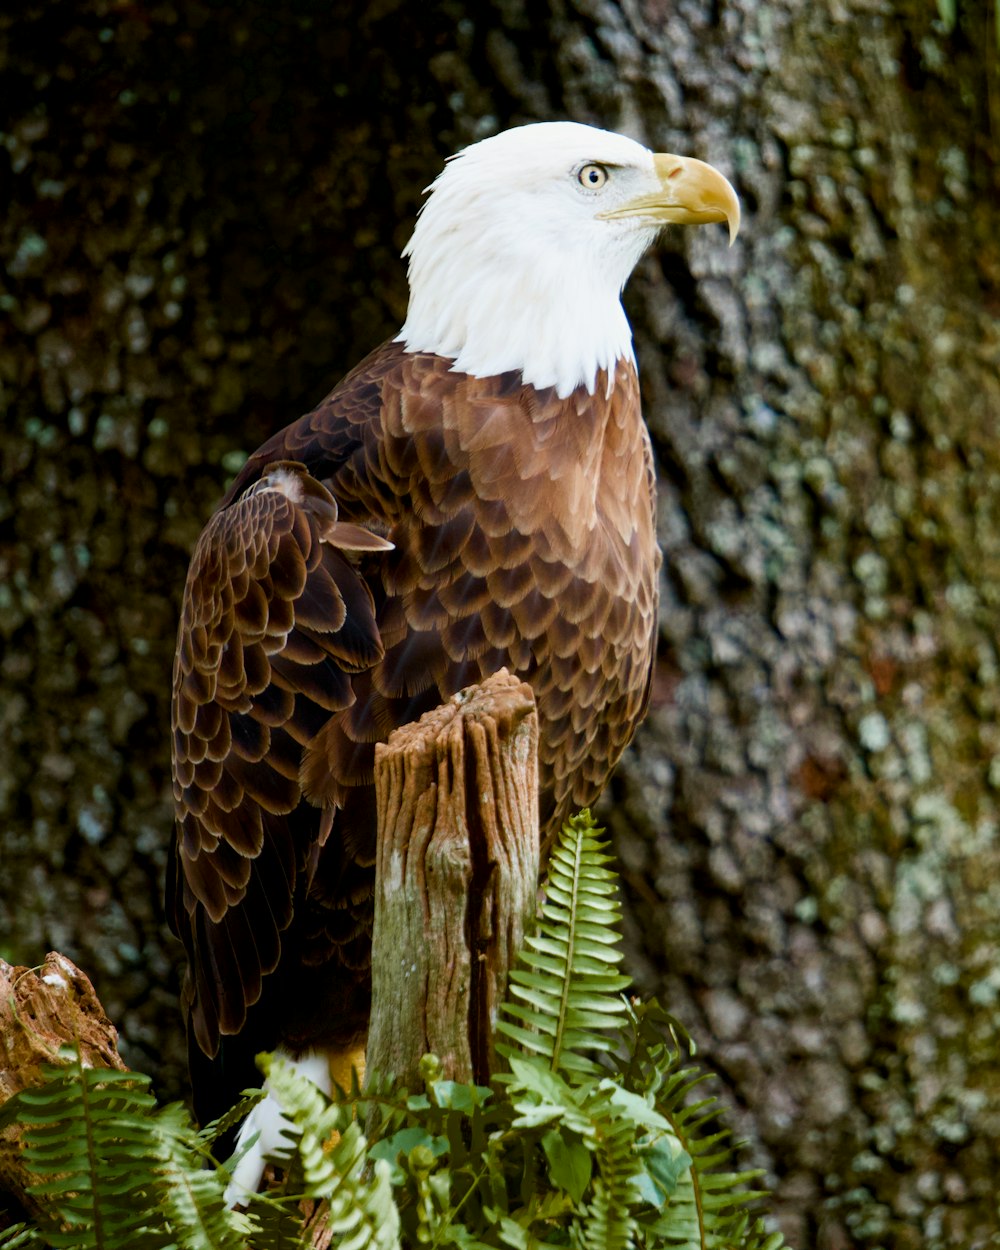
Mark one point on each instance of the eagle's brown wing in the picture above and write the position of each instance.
(414, 533)
(275, 621)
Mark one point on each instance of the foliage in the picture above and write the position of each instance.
(113, 1169)
(595, 1137)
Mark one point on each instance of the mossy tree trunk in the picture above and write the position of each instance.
(207, 205)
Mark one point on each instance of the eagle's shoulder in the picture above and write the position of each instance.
(341, 425)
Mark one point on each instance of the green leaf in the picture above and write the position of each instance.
(638, 1110)
(512, 1234)
(665, 1162)
(553, 1094)
(570, 1163)
(459, 1097)
(402, 1142)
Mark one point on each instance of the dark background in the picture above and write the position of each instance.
(205, 205)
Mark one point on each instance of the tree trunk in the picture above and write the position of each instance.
(456, 879)
(206, 209)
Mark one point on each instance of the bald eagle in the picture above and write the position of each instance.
(477, 493)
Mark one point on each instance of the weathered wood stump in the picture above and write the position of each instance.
(456, 878)
(41, 1009)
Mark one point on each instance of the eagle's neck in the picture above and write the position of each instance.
(556, 319)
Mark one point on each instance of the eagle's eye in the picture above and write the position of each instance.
(592, 176)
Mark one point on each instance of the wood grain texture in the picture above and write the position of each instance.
(456, 877)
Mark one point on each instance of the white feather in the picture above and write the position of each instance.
(512, 268)
(267, 1121)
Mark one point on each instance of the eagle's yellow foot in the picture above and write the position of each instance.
(343, 1065)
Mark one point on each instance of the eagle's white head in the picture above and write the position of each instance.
(522, 248)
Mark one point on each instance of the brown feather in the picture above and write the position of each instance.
(416, 531)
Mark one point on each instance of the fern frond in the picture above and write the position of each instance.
(564, 997)
(608, 1223)
(82, 1138)
(233, 1118)
(661, 1173)
(116, 1171)
(332, 1152)
(711, 1204)
(759, 1238)
(22, 1237)
(191, 1197)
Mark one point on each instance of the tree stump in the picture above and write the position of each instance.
(456, 878)
(42, 1009)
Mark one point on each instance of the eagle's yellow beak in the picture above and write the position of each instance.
(691, 193)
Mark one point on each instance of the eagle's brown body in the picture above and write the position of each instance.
(522, 532)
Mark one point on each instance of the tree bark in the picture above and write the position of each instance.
(206, 207)
(42, 1009)
(456, 879)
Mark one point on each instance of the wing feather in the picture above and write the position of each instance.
(260, 669)
(415, 532)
